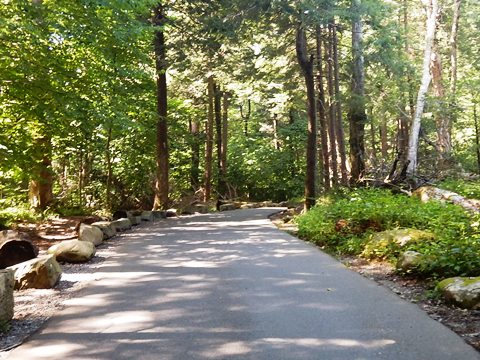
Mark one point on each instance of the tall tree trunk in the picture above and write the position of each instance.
(340, 134)
(306, 64)
(373, 137)
(246, 116)
(108, 160)
(209, 139)
(426, 78)
(195, 159)
(331, 108)
(41, 183)
(218, 140)
(161, 184)
(276, 143)
(453, 59)
(477, 136)
(384, 140)
(322, 117)
(357, 115)
(224, 148)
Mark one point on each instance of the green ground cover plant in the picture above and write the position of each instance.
(343, 223)
(467, 188)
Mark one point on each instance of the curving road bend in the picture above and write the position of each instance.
(231, 286)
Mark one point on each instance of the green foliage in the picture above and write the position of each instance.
(343, 222)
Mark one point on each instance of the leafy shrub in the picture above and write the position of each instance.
(342, 223)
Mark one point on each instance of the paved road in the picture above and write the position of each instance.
(231, 286)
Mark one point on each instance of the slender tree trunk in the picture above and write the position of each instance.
(276, 144)
(426, 78)
(322, 117)
(357, 115)
(340, 134)
(209, 139)
(218, 132)
(224, 148)
(384, 140)
(453, 59)
(162, 161)
(246, 116)
(477, 136)
(374, 141)
(306, 64)
(195, 159)
(331, 108)
(41, 183)
(108, 160)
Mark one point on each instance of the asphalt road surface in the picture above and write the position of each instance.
(231, 286)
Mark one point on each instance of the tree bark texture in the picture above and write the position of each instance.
(162, 161)
(425, 82)
(209, 139)
(224, 148)
(331, 109)
(322, 116)
(306, 64)
(195, 159)
(357, 116)
(340, 134)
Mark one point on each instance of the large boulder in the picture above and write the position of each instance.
(15, 248)
(73, 251)
(227, 207)
(159, 214)
(389, 242)
(171, 213)
(147, 216)
(122, 224)
(6, 296)
(43, 272)
(462, 291)
(108, 229)
(90, 233)
(409, 260)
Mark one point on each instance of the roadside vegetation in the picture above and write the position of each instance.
(345, 222)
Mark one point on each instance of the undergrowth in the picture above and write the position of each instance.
(343, 223)
(469, 189)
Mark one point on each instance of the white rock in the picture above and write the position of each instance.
(409, 260)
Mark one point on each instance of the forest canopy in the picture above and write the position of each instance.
(108, 104)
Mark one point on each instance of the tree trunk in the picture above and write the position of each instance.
(161, 184)
(331, 109)
(306, 64)
(453, 48)
(218, 140)
(195, 159)
(477, 136)
(442, 119)
(412, 158)
(209, 139)
(340, 134)
(276, 144)
(224, 149)
(41, 183)
(321, 108)
(357, 115)
(246, 116)
(374, 141)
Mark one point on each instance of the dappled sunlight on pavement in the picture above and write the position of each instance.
(231, 286)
